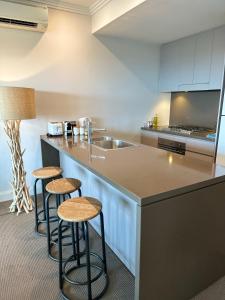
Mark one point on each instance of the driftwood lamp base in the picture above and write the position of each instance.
(21, 198)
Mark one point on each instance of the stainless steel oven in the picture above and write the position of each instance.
(173, 146)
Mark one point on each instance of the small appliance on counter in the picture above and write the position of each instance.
(83, 125)
(82, 121)
(55, 128)
(68, 127)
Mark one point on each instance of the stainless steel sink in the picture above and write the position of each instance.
(107, 142)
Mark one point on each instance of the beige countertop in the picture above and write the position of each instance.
(143, 173)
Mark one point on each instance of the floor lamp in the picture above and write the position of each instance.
(17, 104)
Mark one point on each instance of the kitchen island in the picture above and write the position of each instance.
(164, 213)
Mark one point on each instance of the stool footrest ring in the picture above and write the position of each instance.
(43, 220)
(55, 241)
(93, 265)
(54, 232)
(95, 278)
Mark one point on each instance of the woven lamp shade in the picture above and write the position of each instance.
(17, 103)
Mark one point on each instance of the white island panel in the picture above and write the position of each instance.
(119, 211)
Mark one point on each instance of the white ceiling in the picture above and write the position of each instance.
(162, 21)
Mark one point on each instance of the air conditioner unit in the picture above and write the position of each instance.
(20, 16)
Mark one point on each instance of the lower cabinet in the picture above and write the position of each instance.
(199, 156)
(150, 138)
(200, 146)
(194, 147)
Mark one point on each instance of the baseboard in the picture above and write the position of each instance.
(6, 195)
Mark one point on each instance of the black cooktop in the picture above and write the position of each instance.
(191, 128)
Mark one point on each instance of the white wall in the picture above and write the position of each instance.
(161, 108)
(75, 74)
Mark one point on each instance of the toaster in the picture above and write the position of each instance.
(55, 128)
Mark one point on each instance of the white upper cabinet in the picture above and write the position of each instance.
(218, 56)
(193, 63)
(169, 62)
(185, 58)
(203, 57)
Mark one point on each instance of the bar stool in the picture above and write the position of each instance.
(82, 210)
(42, 174)
(60, 188)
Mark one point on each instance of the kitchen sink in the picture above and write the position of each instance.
(109, 143)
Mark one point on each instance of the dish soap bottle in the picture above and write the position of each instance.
(155, 121)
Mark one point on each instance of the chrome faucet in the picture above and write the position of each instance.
(90, 130)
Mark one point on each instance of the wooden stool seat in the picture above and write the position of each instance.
(79, 209)
(63, 186)
(47, 172)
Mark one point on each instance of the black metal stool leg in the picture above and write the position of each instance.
(78, 244)
(47, 222)
(88, 261)
(73, 240)
(60, 255)
(83, 231)
(57, 197)
(103, 242)
(82, 224)
(64, 199)
(35, 204)
(43, 196)
(58, 200)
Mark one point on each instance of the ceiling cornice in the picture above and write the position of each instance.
(61, 5)
(67, 6)
(99, 4)
(64, 5)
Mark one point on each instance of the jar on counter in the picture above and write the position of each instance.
(76, 130)
(149, 124)
(81, 130)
